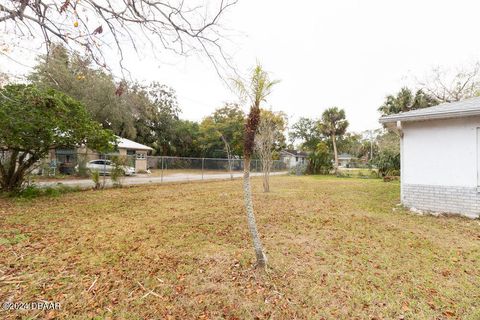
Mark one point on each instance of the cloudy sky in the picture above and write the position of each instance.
(346, 53)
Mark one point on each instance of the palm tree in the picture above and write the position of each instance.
(333, 125)
(255, 92)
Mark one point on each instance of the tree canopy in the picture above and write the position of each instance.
(226, 121)
(405, 100)
(33, 120)
(147, 113)
(308, 131)
(74, 75)
(333, 122)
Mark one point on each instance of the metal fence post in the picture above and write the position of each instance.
(104, 168)
(161, 179)
(203, 164)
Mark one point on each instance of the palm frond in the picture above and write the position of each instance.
(240, 89)
(259, 86)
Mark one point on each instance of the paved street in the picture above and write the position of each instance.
(146, 179)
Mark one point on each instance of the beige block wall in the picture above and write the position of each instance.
(141, 164)
(87, 153)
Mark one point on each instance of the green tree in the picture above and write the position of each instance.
(74, 75)
(164, 116)
(368, 149)
(350, 143)
(185, 141)
(145, 113)
(255, 91)
(32, 121)
(320, 160)
(334, 125)
(405, 100)
(227, 121)
(308, 131)
(387, 157)
(388, 141)
(388, 163)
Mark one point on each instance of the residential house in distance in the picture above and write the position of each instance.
(440, 157)
(344, 160)
(292, 158)
(66, 159)
(136, 151)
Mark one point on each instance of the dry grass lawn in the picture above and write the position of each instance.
(336, 250)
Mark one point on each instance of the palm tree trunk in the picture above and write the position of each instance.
(252, 225)
(335, 152)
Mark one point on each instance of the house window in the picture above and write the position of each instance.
(296, 159)
(140, 155)
(65, 155)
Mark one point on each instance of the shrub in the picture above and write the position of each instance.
(320, 161)
(95, 175)
(388, 162)
(342, 174)
(118, 171)
(32, 191)
(393, 173)
(299, 169)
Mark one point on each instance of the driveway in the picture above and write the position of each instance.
(146, 179)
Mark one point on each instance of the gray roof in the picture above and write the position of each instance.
(464, 108)
(345, 156)
(129, 144)
(295, 153)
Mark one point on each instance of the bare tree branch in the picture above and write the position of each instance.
(452, 85)
(90, 25)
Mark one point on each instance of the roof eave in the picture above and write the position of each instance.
(136, 148)
(437, 116)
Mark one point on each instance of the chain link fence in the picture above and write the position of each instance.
(65, 164)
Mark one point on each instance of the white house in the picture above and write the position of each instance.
(440, 157)
(293, 157)
(66, 158)
(344, 160)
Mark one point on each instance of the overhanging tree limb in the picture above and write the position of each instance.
(168, 25)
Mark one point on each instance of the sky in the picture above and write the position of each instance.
(349, 54)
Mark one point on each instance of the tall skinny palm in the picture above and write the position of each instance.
(255, 92)
(334, 125)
